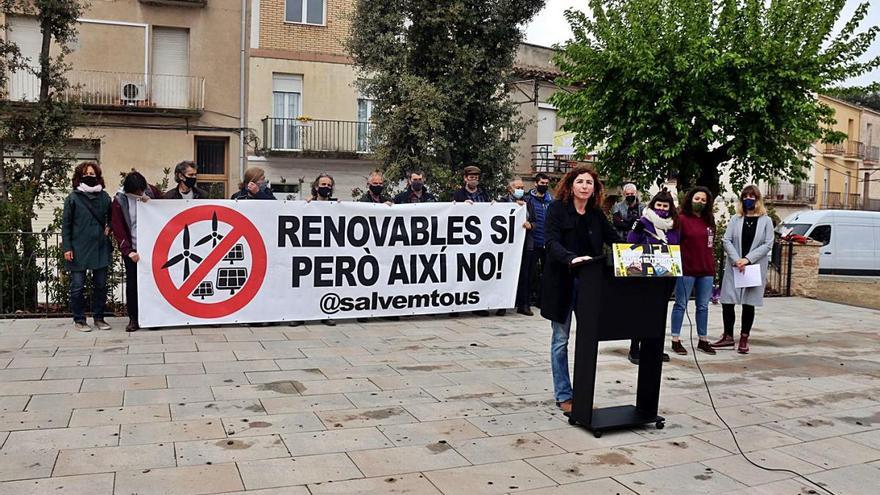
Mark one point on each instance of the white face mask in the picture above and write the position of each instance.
(518, 193)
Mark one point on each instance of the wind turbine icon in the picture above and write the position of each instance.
(185, 256)
(213, 235)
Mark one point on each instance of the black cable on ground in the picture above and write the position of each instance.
(732, 434)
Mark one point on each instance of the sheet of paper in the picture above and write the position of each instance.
(750, 278)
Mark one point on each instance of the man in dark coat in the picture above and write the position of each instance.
(376, 189)
(416, 191)
(471, 191)
(185, 174)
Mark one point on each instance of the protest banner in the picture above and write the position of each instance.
(214, 262)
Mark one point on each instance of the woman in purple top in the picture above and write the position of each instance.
(656, 226)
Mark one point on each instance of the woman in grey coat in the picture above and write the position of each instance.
(747, 241)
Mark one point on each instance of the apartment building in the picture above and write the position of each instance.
(159, 81)
(310, 117)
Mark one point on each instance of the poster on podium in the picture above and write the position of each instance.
(647, 260)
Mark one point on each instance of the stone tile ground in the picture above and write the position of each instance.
(428, 405)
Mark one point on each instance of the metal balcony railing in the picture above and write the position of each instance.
(177, 3)
(835, 149)
(119, 90)
(872, 154)
(843, 201)
(832, 200)
(854, 149)
(544, 160)
(283, 134)
(790, 193)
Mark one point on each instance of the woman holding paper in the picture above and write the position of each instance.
(747, 243)
(575, 230)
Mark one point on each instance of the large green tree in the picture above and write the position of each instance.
(437, 72)
(681, 88)
(866, 96)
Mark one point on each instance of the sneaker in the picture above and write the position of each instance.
(724, 341)
(81, 326)
(525, 310)
(678, 348)
(633, 358)
(743, 344)
(132, 325)
(329, 323)
(705, 347)
(102, 325)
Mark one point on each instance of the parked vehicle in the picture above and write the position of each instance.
(850, 239)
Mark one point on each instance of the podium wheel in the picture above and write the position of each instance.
(660, 425)
(597, 434)
(572, 421)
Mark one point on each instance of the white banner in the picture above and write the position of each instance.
(210, 262)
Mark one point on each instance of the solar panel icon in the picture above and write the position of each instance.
(204, 290)
(235, 254)
(231, 279)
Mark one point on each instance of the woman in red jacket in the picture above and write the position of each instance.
(696, 225)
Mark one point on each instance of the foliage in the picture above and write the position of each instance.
(436, 71)
(678, 88)
(866, 96)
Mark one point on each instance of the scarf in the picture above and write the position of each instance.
(86, 189)
(661, 225)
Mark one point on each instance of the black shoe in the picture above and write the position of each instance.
(391, 318)
(665, 357)
(501, 312)
(294, 323)
(482, 312)
(361, 320)
(634, 359)
(525, 310)
(132, 325)
(329, 323)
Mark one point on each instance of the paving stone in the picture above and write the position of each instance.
(192, 480)
(502, 477)
(327, 402)
(198, 357)
(389, 398)
(274, 424)
(333, 441)
(47, 362)
(750, 438)
(230, 450)
(91, 484)
(240, 366)
(84, 372)
(589, 465)
(832, 453)
(320, 387)
(431, 432)
(57, 402)
(850, 480)
(13, 403)
(406, 483)
(359, 418)
(120, 415)
(130, 383)
(869, 438)
(282, 388)
(399, 460)
(167, 395)
(19, 374)
(744, 472)
(701, 480)
(410, 381)
(672, 451)
(297, 471)
(165, 369)
(215, 409)
(31, 387)
(605, 486)
(518, 423)
(33, 420)
(62, 438)
(276, 376)
(450, 410)
(26, 464)
(505, 448)
(127, 359)
(109, 459)
(207, 380)
(169, 432)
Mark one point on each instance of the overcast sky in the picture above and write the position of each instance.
(550, 27)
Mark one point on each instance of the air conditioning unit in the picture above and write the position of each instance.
(132, 92)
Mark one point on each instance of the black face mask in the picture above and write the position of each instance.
(630, 200)
(89, 180)
(542, 189)
(376, 190)
(417, 185)
(189, 182)
(325, 191)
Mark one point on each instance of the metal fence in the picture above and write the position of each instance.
(282, 134)
(779, 271)
(33, 281)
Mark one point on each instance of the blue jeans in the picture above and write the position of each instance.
(683, 287)
(559, 359)
(99, 294)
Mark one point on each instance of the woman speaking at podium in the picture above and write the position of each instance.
(575, 230)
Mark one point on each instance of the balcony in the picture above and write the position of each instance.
(841, 201)
(872, 155)
(546, 161)
(120, 91)
(788, 193)
(835, 149)
(177, 3)
(855, 150)
(321, 136)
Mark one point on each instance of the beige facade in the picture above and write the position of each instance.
(160, 84)
(870, 173)
(836, 166)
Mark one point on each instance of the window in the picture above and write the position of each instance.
(211, 162)
(364, 126)
(286, 107)
(25, 33)
(170, 67)
(304, 11)
(821, 233)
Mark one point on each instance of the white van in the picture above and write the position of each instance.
(850, 239)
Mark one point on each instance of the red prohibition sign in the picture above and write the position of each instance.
(178, 297)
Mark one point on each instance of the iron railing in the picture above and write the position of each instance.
(854, 149)
(786, 192)
(121, 90)
(872, 154)
(844, 201)
(33, 281)
(544, 160)
(779, 275)
(283, 134)
(835, 149)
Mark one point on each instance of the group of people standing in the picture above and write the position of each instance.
(577, 229)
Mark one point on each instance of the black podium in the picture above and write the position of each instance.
(611, 308)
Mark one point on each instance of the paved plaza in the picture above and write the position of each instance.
(428, 405)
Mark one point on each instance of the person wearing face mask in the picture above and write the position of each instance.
(470, 192)
(516, 194)
(376, 189)
(696, 226)
(185, 175)
(576, 230)
(85, 223)
(625, 213)
(655, 227)
(123, 220)
(748, 240)
(254, 185)
(539, 198)
(322, 188)
(416, 191)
